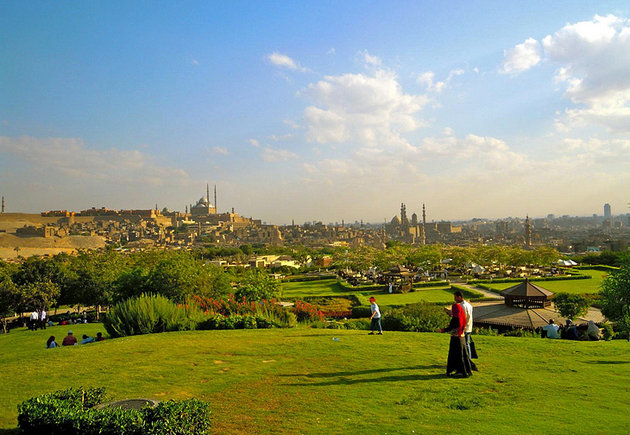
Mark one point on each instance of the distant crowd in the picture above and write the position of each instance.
(40, 320)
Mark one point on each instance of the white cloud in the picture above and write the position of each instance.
(522, 57)
(594, 67)
(220, 150)
(277, 155)
(428, 80)
(366, 109)
(72, 158)
(371, 60)
(284, 61)
(254, 143)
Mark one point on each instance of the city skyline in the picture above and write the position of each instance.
(317, 111)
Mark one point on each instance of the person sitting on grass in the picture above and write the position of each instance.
(99, 337)
(375, 317)
(69, 340)
(87, 339)
(552, 329)
(51, 343)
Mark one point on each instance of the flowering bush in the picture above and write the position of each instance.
(232, 313)
(306, 312)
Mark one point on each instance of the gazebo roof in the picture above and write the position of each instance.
(499, 314)
(399, 270)
(526, 289)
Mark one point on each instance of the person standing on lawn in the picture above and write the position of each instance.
(375, 317)
(458, 359)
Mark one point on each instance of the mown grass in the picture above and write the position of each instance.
(575, 286)
(303, 381)
(330, 287)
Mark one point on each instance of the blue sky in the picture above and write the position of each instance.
(317, 110)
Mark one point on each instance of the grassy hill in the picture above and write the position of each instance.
(303, 381)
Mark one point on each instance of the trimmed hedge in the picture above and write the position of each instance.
(532, 279)
(73, 411)
(301, 278)
(468, 294)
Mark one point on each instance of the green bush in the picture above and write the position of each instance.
(608, 332)
(147, 314)
(361, 311)
(73, 411)
(361, 324)
(188, 417)
(420, 317)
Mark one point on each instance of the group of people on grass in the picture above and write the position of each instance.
(570, 331)
(461, 348)
(39, 319)
(71, 340)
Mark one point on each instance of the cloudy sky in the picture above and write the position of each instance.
(320, 110)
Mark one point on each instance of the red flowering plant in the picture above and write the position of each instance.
(307, 312)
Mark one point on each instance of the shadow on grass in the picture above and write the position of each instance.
(607, 362)
(342, 377)
(9, 431)
(346, 381)
(363, 372)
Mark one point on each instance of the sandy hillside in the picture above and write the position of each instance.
(29, 246)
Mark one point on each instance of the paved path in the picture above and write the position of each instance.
(485, 293)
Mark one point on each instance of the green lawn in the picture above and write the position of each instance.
(303, 381)
(576, 286)
(330, 287)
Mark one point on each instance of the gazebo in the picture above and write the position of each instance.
(401, 278)
(527, 295)
(526, 305)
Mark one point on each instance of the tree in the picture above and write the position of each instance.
(38, 295)
(615, 296)
(9, 299)
(570, 305)
(256, 285)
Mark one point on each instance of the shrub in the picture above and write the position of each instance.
(306, 312)
(188, 417)
(608, 332)
(361, 311)
(73, 412)
(361, 324)
(147, 314)
(420, 317)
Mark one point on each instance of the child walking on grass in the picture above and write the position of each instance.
(375, 317)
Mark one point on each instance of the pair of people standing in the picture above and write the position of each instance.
(460, 328)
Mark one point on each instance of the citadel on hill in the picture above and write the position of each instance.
(201, 223)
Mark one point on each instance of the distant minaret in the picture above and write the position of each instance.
(424, 215)
(3, 204)
(216, 210)
(528, 232)
(208, 192)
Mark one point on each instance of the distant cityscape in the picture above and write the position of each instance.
(200, 223)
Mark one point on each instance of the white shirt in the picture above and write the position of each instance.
(34, 315)
(468, 310)
(43, 315)
(376, 311)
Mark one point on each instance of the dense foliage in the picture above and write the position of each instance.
(571, 305)
(74, 411)
(421, 317)
(147, 314)
(615, 298)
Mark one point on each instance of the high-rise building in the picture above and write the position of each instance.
(607, 213)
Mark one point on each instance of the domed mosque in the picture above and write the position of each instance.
(203, 206)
